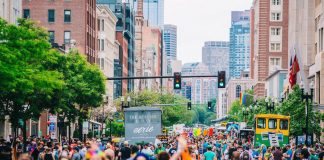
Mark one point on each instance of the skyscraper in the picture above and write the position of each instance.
(239, 57)
(153, 11)
(170, 44)
(215, 55)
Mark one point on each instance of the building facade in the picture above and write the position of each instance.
(275, 84)
(234, 87)
(125, 35)
(215, 55)
(239, 56)
(62, 20)
(107, 46)
(269, 40)
(201, 90)
(221, 106)
(170, 45)
(10, 10)
(153, 11)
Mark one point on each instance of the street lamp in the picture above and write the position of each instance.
(307, 98)
(122, 99)
(25, 108)
(270, 104)
(245, 112)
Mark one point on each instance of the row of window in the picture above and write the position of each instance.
(51, 15)
(67, 36)
(272, 124)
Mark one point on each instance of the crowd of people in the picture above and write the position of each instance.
(178, 147)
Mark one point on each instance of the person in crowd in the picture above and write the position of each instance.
(125, 152)
(209, 155)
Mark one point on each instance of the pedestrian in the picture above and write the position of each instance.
(163, 156)
(24, 156)
(109, 152)
(125, 152)
(277, 155)
(37, 151)
(76, 155)
(304, 154)
(47, 155)
(209, 155)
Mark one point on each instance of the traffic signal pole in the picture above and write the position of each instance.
(157, 77)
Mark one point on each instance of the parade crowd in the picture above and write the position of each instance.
(178, 147)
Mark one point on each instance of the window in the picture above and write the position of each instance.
(102, 45)
(275, 47)
(272, 124)
(276, 16)
(51, 36)
(283, 124)
(238, 91)
(67, 37)
(102, 25)
(67, 15)
(102, 63)
(51, 15)
(276, 2)
(275, 31)
(26, 13)
(261, 123)
(320, 41)
(98, 24)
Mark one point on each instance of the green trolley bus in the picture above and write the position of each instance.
(276, 126)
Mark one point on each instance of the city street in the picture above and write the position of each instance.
(161, 80)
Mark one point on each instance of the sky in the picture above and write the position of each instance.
(199, 21)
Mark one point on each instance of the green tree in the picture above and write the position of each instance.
(25, 76)
(294, 107)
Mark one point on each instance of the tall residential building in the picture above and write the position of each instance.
(153, 11)
(125, 34)
(215, 55)
(239, 56)
(10, 10)
(107, 46)
(201, 90)
(170, 45)
(269, 40)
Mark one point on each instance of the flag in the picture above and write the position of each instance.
(294, 69)
(241, 98)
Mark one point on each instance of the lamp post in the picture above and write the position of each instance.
(24, 127)
(270, 104)
(307, 97)
(122, 99)
(245, 112)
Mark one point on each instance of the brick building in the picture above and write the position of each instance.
(269, 40)
(68, 23)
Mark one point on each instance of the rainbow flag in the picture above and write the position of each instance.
(243, 98)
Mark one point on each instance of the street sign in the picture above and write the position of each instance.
(163, 138)
(273, 138)
(53, 136)
(85, 127)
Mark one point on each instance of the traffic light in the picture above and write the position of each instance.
(177, 80)
(209, 105)
(221, 79)
(189, 106)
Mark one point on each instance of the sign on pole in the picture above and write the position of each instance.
(163, 138)
(85, 127)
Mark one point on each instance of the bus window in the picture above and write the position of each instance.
(283, 124)
(272, 124)
(261, 123)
